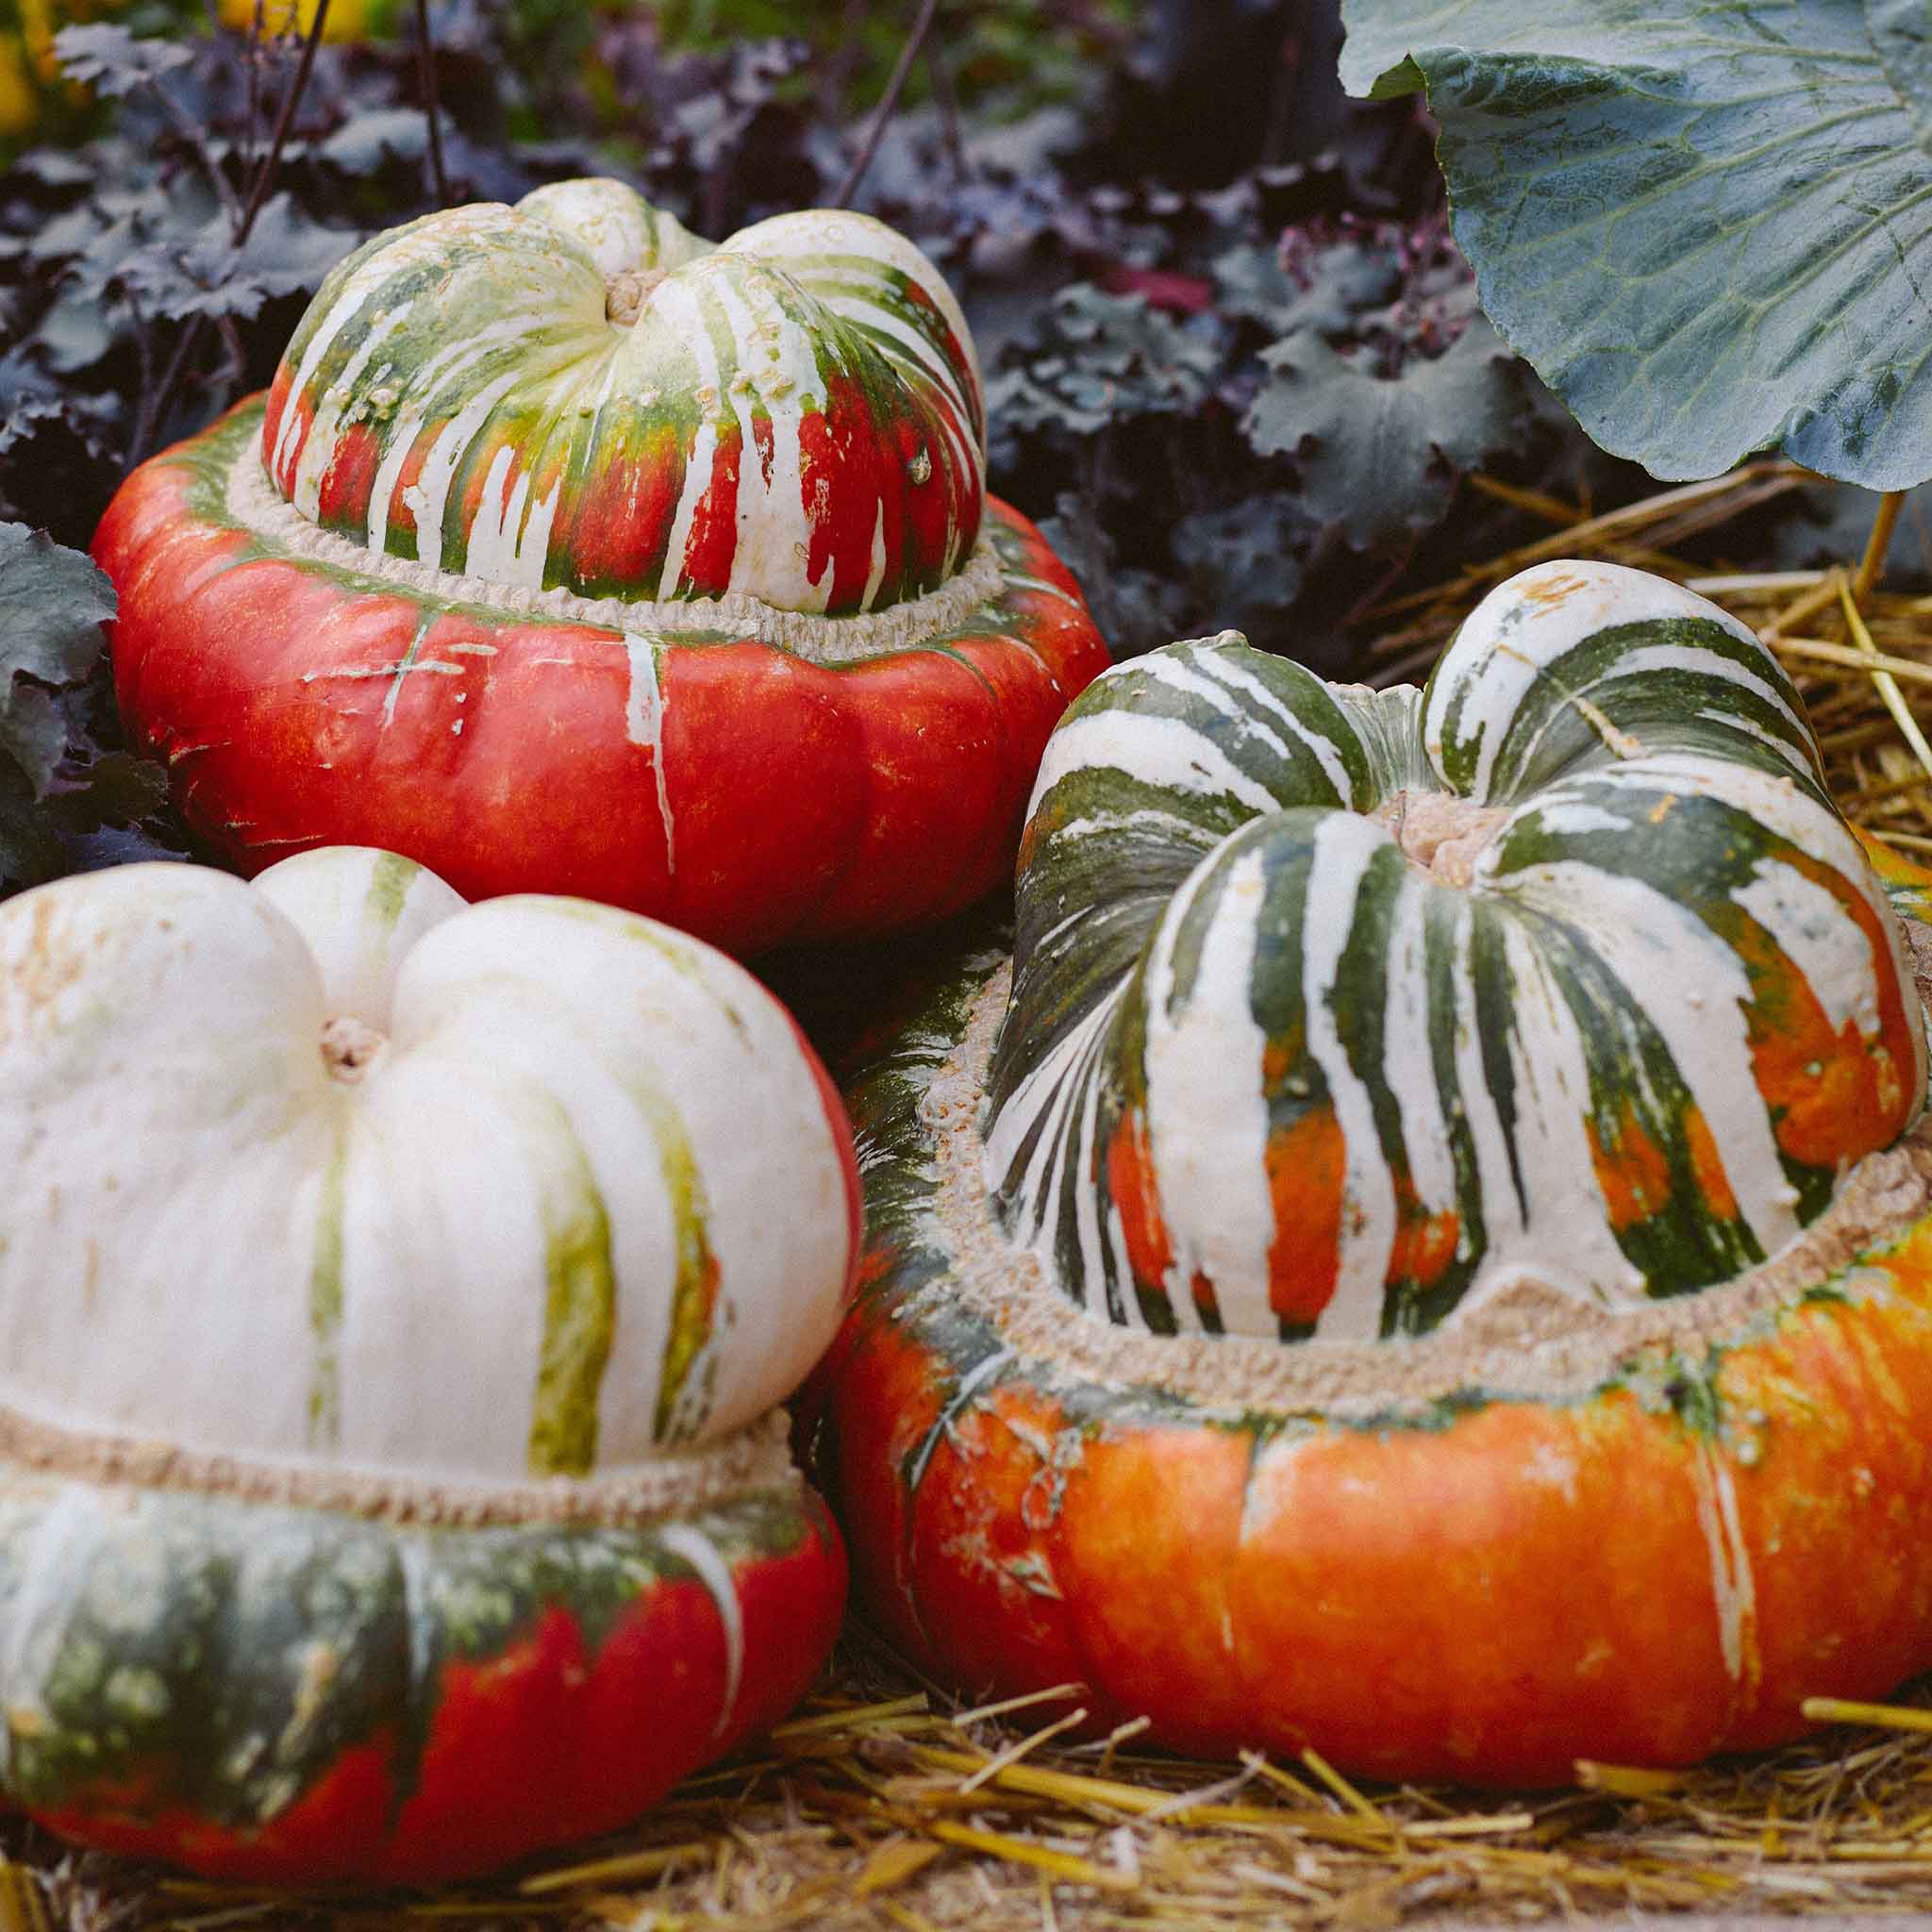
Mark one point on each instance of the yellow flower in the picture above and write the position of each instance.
(348, 19)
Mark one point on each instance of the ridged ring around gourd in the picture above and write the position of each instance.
(571, 553)
(1424, 1248)
(393, 1301)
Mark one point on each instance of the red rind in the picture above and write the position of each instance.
(549, 1741)
(294, 706)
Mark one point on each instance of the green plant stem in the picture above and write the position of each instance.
(1872, 563)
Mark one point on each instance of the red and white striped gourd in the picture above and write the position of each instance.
(1479, 1132)
(394, 1299)
(570, 551)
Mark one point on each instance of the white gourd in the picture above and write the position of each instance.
(334, 1167)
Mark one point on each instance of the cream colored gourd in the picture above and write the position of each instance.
(394, 1298)
(334, 1167)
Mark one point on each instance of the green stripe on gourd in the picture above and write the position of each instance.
(1495, 733)
(1250, 733)
(684, 1395)
(247, 1647)
(390, 880)
(325, 1301)
(580, 1296)
(1333, 1009)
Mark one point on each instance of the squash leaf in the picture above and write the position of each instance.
(1708, 226)
(114, 61)
(1102, 358)
(1244, 563)
(1128, 602)
(288, 254)
(1355, 276)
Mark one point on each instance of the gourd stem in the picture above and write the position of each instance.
(350, 1047)
(1873, 562)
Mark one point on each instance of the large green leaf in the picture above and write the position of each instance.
(1708, 224)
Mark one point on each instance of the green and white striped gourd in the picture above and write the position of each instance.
(578, 394)
(1337, 1011)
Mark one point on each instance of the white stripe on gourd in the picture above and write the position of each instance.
(689, 1543)
(510, 539)
(1560, 1232)
(1097, 1264)
(1486, 1047)
(1528, 657)
(1810, 927)
(1162, 752)
(1206, 1114)
(1343, 849)
(1694, 990)
(615, 226)
(304, 485)
(849, 262)
(471, 1262)
(1409, 1055)
(360, 919)
(1733, 1585)
(768, 559)
(643, 725)
(357, 280)
(679, 310)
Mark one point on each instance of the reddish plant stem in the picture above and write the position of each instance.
(285, 116)
(425, 57)
(948, 104)
(252, 55)
(888, 103)
(183, 125)
(155, 403)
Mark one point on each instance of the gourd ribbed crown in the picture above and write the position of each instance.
(1335, 1010)
(576, 393)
